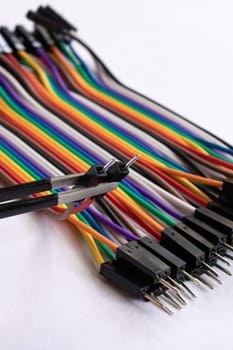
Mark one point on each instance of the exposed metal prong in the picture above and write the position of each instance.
(108, 164)
(171, 300)
(220, 267)
(176, 284)
(209, 285)
(210, 269)
(191, 278)
(158, 303)
(228, 246)
(229, 256)
(220, 257)
(132, 161)
(210, 274)
(189, 290)
(181, 299)
(168, 286)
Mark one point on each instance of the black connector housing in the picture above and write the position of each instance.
(28, 38)
(49, 12)
(217, 221)
(226, 195)
(117, 171)
(133, 254)
(4, 47)
(199, 241)
(92, 177)
(136, 270)
(43, 35)
(11, 38)
(176, 264)
(221, 208)
(126, 278)
(184, 249)
(213, 235)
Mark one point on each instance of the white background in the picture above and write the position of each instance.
(180, 53)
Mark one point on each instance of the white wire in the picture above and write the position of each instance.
(64, 127)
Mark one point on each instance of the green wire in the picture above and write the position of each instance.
(86, 77)
(144, 202)
(108, 127)
(101, 245)
(149, 206)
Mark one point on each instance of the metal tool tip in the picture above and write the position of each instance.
(132, 161)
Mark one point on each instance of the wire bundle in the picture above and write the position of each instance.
(62, 111)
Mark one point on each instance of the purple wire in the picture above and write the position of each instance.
(112, 225)
(65, 90)
(156, 200)
(146, 193)
(94, 212)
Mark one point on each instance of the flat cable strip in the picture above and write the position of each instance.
(71, 178)
(22, 177)
(108, 158)
(160, 130)
(107, 75)
(187, 175)
(76, 135)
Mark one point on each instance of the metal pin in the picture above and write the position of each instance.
(158, 303)
(222, 259)
(209, 285)
(181, 299)
(228, 256)
(171, 300)
(223, 269)
(228, 246)
(176, 284)
(108, 164)
(169, 286)
(210, 274)
(132, 161)
(210, 269)
(189, 290)
(193, 279)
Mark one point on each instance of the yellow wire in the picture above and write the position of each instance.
(106, 134)
(27, 178)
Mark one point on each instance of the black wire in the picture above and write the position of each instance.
(109, 211)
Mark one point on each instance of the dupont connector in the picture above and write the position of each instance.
(217, 238)
(226, 195)
(222, 209)
(135, 283)
(199, 241)
(143, 261)
(142, 274)
(184, 249)
(217, 221)
(126, 278)
(4, 47)
(49, 12)
(43, 35)
(29, 40)
(176, 264)
(93, 176)
(13, 41)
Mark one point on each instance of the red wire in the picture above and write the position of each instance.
(166, 177)
(142, 223)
